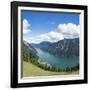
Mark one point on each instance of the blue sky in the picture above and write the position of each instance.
(40, 23)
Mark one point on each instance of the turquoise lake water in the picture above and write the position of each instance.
(57, 61)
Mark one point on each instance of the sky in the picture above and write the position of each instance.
(49, 26)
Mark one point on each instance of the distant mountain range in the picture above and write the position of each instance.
(62, 48)
(43, 45)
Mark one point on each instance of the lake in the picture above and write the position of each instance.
(59, 62)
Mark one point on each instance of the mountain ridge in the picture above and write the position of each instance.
(62, 48)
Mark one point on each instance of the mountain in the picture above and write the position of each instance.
(43, 45)
(65, 48)
(62, 48)
(29, 52)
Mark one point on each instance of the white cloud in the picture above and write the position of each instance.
(55, 36)
(26, 27)
(51, 37)
(69, 30)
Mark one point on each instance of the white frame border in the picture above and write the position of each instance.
(57, 77)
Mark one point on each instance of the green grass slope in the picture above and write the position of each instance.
(31, 70)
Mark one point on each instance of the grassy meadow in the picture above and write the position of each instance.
(32, 70)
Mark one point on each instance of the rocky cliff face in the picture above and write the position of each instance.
(66, 47)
